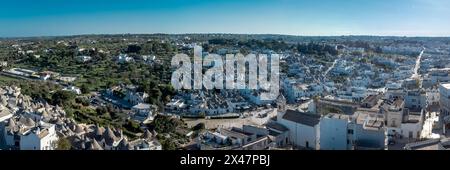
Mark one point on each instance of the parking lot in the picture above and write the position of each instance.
(257, 117)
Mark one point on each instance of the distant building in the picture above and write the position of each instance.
(83, 59)
(135, 98)
(370, 101)
(74, 89)
(143, 113)
(124, 58)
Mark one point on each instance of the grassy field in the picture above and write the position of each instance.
(6, 80)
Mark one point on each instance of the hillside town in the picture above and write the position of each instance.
(113, 92)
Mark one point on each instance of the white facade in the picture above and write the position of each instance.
(416, 99)
(333, 132)
(123, 58)
(143, 113)
(411, 130)
(444, 98)
(83, 58)
(33, 139)
(432, 97)
(302, 135)
(74, 89)
(135, 97)
(369, 138)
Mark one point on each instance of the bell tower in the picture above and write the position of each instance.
(281, 106)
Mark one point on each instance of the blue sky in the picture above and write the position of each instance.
(293, 17)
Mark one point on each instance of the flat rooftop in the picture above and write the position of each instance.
(446, 85)
(338, 116)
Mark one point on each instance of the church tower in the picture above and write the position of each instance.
(281, 106)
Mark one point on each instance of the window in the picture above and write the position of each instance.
(350, 131)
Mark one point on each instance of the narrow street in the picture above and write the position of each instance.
(416, 75)
(330, 68)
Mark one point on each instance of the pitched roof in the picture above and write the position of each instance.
(79, 129)
(109, 136)
(233, 134)
(95, 145)
(147, 134)
(302, 118)
(98, 130)
(142, 106)
(11, 123)
(4, 112)
(124, 145)
(276, 126)
(29, 122)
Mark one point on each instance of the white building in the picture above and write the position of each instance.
(123, 58)
(135, 98)
(416, 99)
(401, 120)
(143, 113)
(439, 75)
(444, 100)
(432, 96)
(294, 91)
(361, 131)
(83, 58)
(368, 131)
(303, 128)
(74, 89)
(334, 132)
(25, 134)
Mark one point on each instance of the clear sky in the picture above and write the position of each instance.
(294, 17)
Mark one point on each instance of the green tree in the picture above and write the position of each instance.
(63, 144)
(169, 145)
(84, 89)
(62, 98)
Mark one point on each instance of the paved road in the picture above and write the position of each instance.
(330, 68)
(416, 68)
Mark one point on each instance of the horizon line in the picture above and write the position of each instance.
(218, 33)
